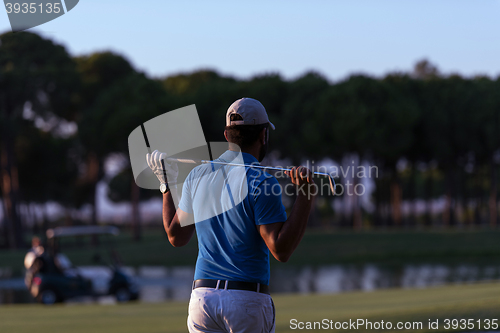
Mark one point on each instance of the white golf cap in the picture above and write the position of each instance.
(251, 110)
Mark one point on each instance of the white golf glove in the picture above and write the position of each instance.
(154, 161)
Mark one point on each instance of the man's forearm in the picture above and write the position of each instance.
(293, 229)
(168, 211)
(177, 235)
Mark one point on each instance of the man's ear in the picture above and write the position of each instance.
(263, 136)
(225, 135)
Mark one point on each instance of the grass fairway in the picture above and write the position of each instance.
(474, 301)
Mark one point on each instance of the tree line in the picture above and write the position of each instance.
(431, 135)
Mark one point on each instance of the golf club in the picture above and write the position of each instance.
(189, 161)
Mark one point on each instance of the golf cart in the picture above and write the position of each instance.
(52, 278)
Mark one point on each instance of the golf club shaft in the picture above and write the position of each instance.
(189, 161)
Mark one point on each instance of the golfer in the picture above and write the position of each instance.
(239, 217)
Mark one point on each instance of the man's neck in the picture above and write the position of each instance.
(253, 150)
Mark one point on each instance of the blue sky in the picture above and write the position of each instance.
(336, 38)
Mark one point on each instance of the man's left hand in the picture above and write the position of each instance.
(155, 160)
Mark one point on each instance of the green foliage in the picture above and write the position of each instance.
(447, 124)
(39, 87)
(48, 167)
(115, 100)
(110, 84)
(38, 71)
(212, 94)
(301, 116)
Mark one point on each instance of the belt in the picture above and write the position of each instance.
(225, 284)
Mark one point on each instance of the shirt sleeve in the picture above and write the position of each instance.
(186, 202)
(268, 207)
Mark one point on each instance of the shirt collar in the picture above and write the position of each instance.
(235, 157)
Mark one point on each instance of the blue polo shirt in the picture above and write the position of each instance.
(228, 202)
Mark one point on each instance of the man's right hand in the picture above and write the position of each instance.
(300, 175)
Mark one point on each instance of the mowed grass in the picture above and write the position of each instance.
(474, 301)
(316, 248)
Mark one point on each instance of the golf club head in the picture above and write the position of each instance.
(332, 184)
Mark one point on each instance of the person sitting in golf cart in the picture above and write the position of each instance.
(37, 260)
(36, 250)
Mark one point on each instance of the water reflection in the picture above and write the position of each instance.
(158, 284)
(368, 277)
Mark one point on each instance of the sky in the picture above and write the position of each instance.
(243, 39)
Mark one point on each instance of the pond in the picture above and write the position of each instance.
(159, 284)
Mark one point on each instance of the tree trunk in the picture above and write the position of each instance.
(387, 217)
(413, 195)
(10, 189)
(493, 196)
(477, 190)
(136, 216)
(5, 234)
(93, 169)
(447, 209)
(396, 199)
(45, 217)
(448, 213)
(377, 216)
(357, 220)
(93, 217)
(461, 203)
(36, 226)
(466, 196)
(454, 197)
(428, 198)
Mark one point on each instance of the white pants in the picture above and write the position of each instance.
(232, 311)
